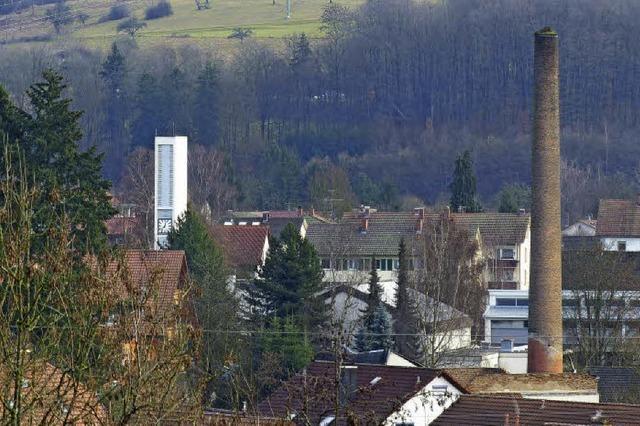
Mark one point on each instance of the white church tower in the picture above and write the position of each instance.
(170, 185)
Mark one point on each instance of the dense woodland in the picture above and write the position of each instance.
(377, 111)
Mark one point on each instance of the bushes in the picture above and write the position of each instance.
(117, 12)
(160, 10)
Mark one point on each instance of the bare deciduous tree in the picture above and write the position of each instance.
(599, 314)
(137, 187)
(209, 185)
(451, 282)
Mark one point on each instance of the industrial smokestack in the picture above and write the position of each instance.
(545, 293)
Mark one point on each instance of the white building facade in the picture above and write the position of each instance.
(170, 181)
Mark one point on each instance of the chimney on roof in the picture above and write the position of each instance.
(522, 212)
(265, 217)
(545, 292)
(446, 213)
(461, 209)
(364, 224)
(300, 211)
(419, 213)
(312, 212)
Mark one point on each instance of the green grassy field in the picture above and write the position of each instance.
(215, 24)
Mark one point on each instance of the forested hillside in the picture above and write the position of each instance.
(377, 110)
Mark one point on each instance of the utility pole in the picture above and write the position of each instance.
(288, 9)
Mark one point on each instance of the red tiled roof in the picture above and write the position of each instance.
(166, 270)
(508, 411)
(242, 245)
(47, 391)
(620, 218)
(370, 403)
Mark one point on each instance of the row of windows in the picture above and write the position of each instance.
(502, 301)
(362, 264)
(511, 302)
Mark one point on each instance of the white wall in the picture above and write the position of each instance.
(396, 360)
(426, 405)
(592, 397)
(513, 362)
(611, 244)
(178, 202)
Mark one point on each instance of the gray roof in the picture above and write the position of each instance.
(277, 224)
(382, 238)
(617, 384)
(386, 229)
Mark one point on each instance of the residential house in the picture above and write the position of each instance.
(276, 220)
(365, 394)
(348, 303)
(618, 226)
(50, 396)
(153, 287)
(245, 248)
(513, 410)
(505, 245)
(161, 277)
(507, 313)
(347, 249)
(124, 229)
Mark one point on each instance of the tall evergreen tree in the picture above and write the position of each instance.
(375, 317)
(406, 322)
(70, 181)
(288, 283)
(463, 185)
(374, 299)
(147, 103)
(216, 307)
(206, 113)
(114, 128)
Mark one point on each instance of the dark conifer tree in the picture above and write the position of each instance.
(288, 283)
(463, 186)
(406, 322)
(216, 307)
(71, 185)
(147, 119)
(206, 105)
(114, 127)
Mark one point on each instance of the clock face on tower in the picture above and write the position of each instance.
(164, 226)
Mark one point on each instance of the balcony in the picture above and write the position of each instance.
(502, 285)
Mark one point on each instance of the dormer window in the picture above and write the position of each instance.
(506, 254)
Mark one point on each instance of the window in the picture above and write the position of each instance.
(507, 253)
(622, 246)
(385, 264)
(325, 263)
(569, 302)
(507, 274)
(505, 302)
(522, 302)
(352, 264)
(365, 264)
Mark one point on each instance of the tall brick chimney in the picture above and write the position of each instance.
(545, 292)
